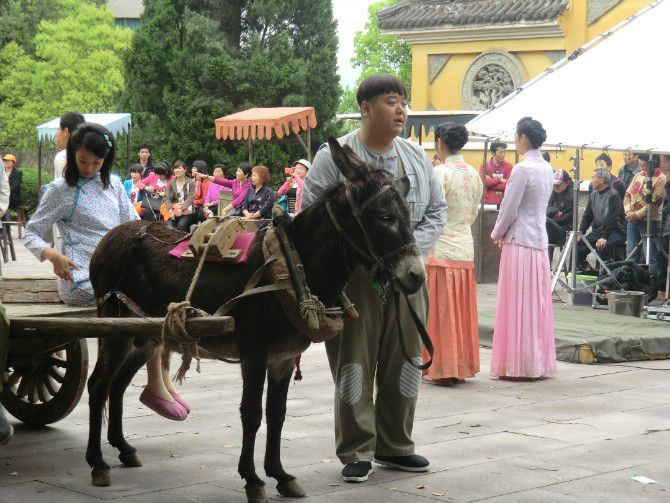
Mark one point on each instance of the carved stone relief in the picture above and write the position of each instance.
(597, 8)
(435, 64)
(491, 76)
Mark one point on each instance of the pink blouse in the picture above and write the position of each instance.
(523, 210)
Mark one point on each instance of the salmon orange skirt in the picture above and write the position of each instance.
(452, 319)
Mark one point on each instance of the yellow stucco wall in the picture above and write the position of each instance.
(444, 93)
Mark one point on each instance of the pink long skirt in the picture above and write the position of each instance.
(523, 334)
(452, 320)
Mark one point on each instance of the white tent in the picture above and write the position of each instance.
(117, 123)
(610, 94)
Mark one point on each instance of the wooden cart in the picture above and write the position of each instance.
(47, 364)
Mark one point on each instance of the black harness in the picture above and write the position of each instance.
(371, 257)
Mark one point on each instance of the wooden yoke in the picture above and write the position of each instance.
(222, 233)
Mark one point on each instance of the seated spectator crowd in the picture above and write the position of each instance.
(616, 213)
(183, 195)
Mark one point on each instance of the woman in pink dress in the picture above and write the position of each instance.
(452, 318)
(523, 335)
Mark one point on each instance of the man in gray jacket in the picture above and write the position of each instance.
(369, 347)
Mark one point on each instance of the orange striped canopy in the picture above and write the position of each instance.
(259, 123)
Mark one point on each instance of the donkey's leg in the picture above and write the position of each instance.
(124, 376)
(253, 377)
(279, 378)
(112, 354)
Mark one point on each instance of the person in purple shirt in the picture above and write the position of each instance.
(523, 333)
(259, 201)
(240, 186)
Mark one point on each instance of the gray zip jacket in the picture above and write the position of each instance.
(427, 206)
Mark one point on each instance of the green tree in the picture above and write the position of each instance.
(377, 53)
(20, 19)
(72, 69)
(194, 60)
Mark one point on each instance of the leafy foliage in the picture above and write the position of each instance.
(30, 187)
(71, 69)
(192, 61)
(377, 53)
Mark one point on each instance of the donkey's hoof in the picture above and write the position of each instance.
(290, 488)
(100, 476)
(130, 459)
(255, 493)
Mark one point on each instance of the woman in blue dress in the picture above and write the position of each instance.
(85, 204)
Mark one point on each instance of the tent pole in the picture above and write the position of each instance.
(649, 200)
(39, 168)
(480, 230)
(128, 148)
(575, 223)
(250, 149)
(309, 144)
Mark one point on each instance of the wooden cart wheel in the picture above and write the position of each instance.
(47, 390)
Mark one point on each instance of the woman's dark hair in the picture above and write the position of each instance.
(161, 168)
(496, 145)
(179, 164)
(201, 166)
(221, 166)
(246, 168)
(606, 158)
(532, 130)
(135, 168)
(70, 121)
(453, 135)
(96, 139)
(374, 85)
(546, 156)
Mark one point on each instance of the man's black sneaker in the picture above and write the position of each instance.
(411, 463)
(357, 472)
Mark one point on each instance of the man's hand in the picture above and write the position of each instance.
(600, 244)
(579, 238)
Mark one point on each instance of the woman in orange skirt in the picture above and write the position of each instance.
(452, 318)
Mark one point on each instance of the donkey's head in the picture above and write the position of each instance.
(375, 221)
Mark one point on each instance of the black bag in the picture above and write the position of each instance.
(152, 201)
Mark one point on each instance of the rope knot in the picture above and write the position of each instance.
(174, 333)
(310, 310)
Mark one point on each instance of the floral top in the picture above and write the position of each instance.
(463, 189)
(83, 214)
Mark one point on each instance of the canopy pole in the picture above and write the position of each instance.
(250, 149)
(309, 144)
(303, 144)
(480, 230)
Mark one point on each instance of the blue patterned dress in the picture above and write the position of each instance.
(83, 214)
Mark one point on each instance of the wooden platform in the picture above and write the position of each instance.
(586, 335)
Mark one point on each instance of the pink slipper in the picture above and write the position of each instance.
(170, 410)
(178, 398)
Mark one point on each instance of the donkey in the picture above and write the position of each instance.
(266, 345)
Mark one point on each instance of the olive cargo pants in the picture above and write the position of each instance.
(368, 349)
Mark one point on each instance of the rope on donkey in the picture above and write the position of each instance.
(174, 325)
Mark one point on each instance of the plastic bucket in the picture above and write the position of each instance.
(583, 295)
(626, 303)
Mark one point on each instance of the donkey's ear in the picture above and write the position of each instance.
(349, 164)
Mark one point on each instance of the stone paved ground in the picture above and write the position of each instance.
(576, 438)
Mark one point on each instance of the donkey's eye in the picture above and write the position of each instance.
(387, 218)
